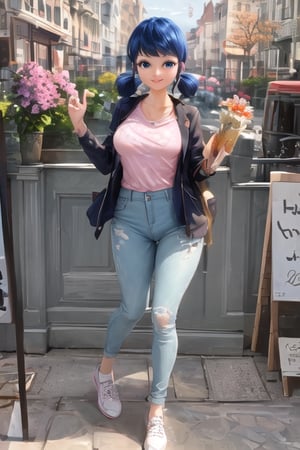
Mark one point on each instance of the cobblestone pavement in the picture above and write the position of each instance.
(63, 415)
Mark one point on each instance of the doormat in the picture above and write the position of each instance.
(234, 380)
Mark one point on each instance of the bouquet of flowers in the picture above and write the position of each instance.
(35, 94)
(234, 120)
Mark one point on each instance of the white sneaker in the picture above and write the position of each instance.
(108, 397)
(156, 438)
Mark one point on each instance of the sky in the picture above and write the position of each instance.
(184, 12)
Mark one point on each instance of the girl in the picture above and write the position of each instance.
(154, 154)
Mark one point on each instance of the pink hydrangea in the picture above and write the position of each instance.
(62, 80)
(36, 92)
(36, 89)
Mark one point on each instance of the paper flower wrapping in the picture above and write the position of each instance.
(234, 120)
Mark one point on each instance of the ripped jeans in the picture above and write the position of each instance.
(147, 242)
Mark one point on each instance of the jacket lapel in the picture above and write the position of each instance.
(184, 126)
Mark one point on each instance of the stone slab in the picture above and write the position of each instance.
(131, 375)
(126, 432)
(69, 431)
(189, 379)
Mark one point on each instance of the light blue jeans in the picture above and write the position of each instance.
(147, 242)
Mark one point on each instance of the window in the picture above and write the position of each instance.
(85, 39)
(48, 12)
(28, 5)
(105, 12)
(4, 52)
(41, 8)
(41, 52)
(57, 15)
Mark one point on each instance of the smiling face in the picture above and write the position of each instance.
(157, 72)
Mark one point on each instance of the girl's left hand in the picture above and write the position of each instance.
(213, 156)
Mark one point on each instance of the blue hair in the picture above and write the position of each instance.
(152, 37)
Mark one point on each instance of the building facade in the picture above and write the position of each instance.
(213, 54)
(85, 37)
(89, 37)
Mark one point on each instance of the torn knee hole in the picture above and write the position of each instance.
(163, 317)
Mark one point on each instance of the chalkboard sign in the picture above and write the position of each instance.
(286, 240)
(289, 350)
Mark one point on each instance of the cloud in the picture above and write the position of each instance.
(176, 13)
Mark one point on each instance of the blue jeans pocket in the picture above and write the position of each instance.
(121, 203)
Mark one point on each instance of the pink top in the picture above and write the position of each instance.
(149, 151)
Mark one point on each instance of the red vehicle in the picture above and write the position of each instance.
(281, 121)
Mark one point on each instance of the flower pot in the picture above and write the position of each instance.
(97, 115)
(60, 139)
(31, 147)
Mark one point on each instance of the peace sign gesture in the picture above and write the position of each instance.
(77, 110)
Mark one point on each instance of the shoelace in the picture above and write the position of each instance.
(156, 428)
(109, 390)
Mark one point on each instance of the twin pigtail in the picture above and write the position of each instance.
(127, 84)
(187, 84)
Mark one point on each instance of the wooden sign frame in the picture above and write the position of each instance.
(6, 305)
(16, 306)
(265, 289)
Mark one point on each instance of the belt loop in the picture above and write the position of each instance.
(167, 194)
(131, 195)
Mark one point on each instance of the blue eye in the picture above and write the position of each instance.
(144, 64)
(170, 64)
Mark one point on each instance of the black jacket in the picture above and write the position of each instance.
(187, 203)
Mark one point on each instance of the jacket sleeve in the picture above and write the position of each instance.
(101, 155)
(196, 145)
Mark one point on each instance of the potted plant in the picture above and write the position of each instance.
(12, 143)
(101, 105)
(108, 90)
(59, 134)
(94, 104)
(35, 95)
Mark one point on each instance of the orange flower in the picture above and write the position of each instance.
(239, 106)
(233, 121)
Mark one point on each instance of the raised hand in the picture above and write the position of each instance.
(77, 110)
